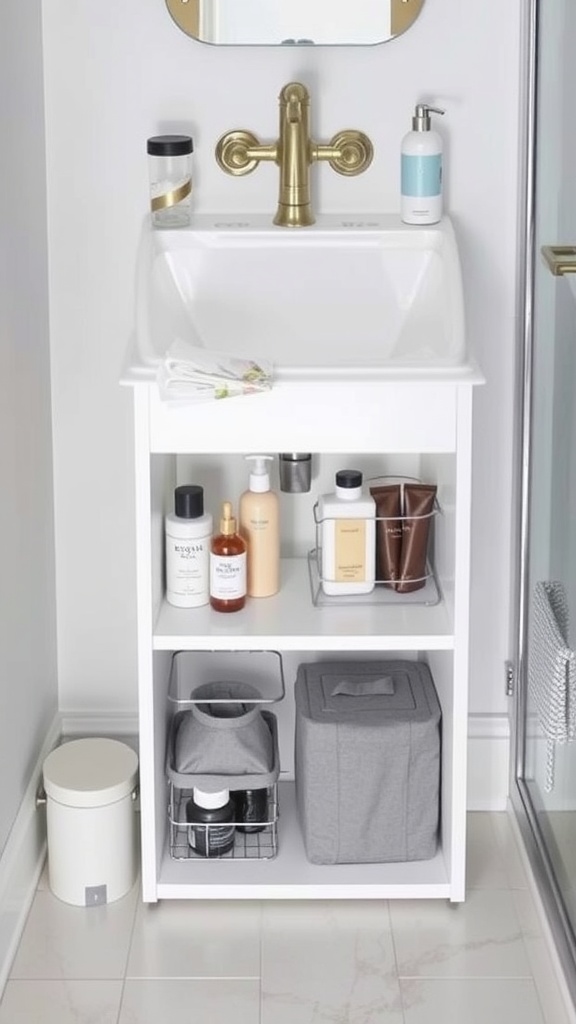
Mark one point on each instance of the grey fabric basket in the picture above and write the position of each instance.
(367, 761)
(223, 752)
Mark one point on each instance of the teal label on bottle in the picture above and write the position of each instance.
(421, 175)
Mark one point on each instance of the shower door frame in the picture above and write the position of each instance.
(541, 863)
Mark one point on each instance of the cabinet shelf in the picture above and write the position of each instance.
(291, 876)
(291, 621)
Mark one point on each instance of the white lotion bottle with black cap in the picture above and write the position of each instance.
(347, 526)
(188, 534)
(421, 170)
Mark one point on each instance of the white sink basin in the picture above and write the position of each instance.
(344, 298)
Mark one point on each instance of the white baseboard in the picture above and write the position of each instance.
(97, 723)
(488, 762)
(22, 860)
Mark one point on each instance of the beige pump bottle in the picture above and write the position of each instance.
(260, 527)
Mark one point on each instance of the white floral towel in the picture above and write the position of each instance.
(193, 374)
(552, 670)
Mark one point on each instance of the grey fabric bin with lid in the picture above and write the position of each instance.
(367, 761)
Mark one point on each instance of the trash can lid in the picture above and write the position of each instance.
(90, 772)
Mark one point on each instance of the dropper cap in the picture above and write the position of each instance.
(227, 522)
(421, 121)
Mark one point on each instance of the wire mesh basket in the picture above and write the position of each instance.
(252, 841)
(420, 588)
(191, 670)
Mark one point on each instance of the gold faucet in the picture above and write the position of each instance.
(349, 152)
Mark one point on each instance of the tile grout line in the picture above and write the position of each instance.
(128, 952)
(187, 977)
(514, 838)
(498, 839)
(500, 847)
(466, 977)
(395, 952)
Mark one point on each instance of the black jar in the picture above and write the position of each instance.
(251, 809)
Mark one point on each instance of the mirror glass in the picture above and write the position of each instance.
(294, 22)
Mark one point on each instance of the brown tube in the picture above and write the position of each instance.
(388, 532)
(418, 508)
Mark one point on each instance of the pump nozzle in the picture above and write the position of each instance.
(259, 474)
(421, 119)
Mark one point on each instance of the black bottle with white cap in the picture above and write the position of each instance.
(210, 817)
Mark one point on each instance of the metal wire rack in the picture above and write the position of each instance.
(261, 845)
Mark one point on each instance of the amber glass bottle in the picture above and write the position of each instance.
(227, 565)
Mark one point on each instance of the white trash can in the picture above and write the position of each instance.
(91, 787)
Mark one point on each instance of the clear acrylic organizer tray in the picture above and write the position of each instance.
(263, 670)
(261, 845)
(383, 592)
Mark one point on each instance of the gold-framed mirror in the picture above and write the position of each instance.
(294, 22)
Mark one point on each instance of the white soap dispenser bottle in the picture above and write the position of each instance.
(260, 527)
(347, 520)
(421, 170)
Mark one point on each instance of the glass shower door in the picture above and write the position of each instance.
(546, 720)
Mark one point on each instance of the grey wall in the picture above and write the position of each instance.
(28, 682)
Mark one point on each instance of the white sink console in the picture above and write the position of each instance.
(418, 424)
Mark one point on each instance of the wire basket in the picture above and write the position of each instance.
(261, 669)
(428, 595)
(424, 587)
(252, 845)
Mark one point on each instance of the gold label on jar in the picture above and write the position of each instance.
(350, 550)
(171, 198)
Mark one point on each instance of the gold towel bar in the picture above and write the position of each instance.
(560, 259)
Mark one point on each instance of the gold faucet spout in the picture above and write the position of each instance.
(294, 158)
(294, 110)
(239, 152)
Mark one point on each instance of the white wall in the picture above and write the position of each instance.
(117, 73)
(28, 687)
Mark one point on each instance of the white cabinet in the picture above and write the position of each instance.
(421, 428)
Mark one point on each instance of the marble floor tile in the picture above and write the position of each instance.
(471, 1001)
(61, 1002)
(486, 961)
(62, 941)
(478, 938)
(163, 1001)
(328, 961)
(196, 939)
(485, 867)
(540, 960)
(510, 852)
